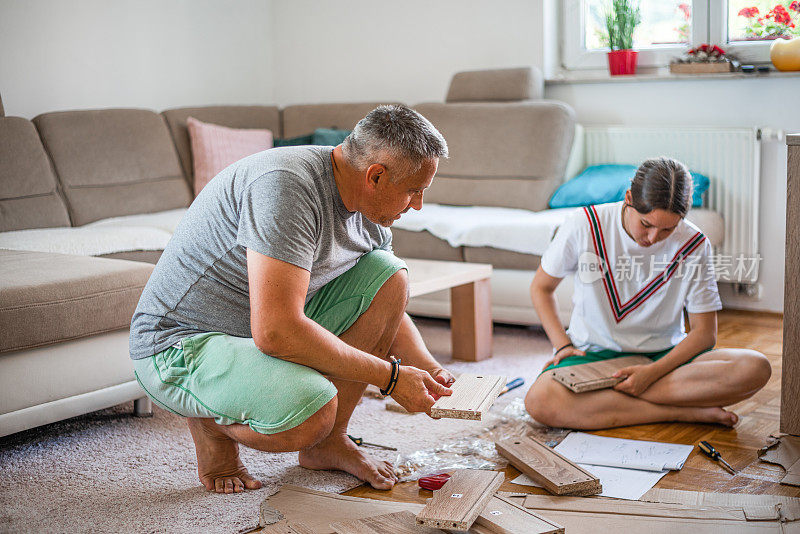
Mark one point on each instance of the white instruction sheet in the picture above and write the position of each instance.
(589, 449)
(617, 482)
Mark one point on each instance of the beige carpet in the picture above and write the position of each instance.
(110, 472)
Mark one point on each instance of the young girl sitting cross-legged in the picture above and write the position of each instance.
(637, 265)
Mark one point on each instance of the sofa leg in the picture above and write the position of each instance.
(143, 407)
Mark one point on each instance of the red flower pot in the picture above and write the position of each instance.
(622, 62)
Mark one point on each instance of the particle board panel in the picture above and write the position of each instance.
(790, 362)
(501, 516)
(555, 473)
(472, 396)
(596, 375)
(395, 523)
(461, 500)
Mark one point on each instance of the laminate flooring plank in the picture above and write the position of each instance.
(596, 375)
(472, 396)
(555, 473)
(396, 523)
(502, 516)
(461, 500)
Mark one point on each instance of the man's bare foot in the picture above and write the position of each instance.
(714, 415)
(218, 463)
(338, 452)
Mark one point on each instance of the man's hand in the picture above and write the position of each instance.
(416, 390)
(566, 352)
(638, 379)
(444, 377)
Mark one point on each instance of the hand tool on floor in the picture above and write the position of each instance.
(433, 482)
(517, 382)
(711, 452)
(360, 442)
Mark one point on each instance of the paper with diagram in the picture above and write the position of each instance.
(589, 449)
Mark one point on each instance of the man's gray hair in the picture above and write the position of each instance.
(397, 133)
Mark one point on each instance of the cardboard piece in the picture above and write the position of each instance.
(396, 523)
(502, 516)
(461, 500)
(754, 507)
(784, 450)
(472, 396)
(284, 527)
(555, 473)
(596, 375)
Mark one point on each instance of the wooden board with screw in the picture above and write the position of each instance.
(595, 375)
(472, 396)
(555, 473)
(502, 516)
(396, 523)
(461, 500)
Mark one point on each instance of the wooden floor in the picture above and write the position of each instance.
(739, 445)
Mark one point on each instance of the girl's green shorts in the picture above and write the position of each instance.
(607, 354)
(228, 379)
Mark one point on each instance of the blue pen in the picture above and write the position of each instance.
(517, 382)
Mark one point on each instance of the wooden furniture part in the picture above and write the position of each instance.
(790, 381)
(555, 473)
(502, 516)
(596, 375)
(472, 396)
(470, 301)
(284, 527)
(396, 523)
(461, 500)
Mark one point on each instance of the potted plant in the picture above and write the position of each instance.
(621, 21)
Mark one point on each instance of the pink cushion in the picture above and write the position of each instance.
(215, 147)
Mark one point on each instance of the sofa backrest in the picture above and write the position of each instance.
(262, 117)
(496, 85)
(113, 162)
(29, 196)
(508, 155)
(305, 118)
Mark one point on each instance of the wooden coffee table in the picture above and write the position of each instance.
(470, 301)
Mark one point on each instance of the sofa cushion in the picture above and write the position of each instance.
(263, 117)
(304, 119)
(506, 155)
(496, 85)
(113, 162)
(28, 189)
(47, 298)
(407, 244)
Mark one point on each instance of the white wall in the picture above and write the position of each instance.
(755, 102)
(156, 54)
(407, 51)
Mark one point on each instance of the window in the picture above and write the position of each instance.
(744, 28)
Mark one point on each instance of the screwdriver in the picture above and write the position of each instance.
(711, 452)
(360, 442)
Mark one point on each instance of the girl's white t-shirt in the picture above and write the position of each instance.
(636, 303)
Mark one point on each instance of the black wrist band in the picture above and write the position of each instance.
(562, 348)
(394, 376)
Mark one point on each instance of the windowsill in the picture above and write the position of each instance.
(655, 75)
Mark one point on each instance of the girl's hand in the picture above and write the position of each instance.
(637, 379)
(566, 352)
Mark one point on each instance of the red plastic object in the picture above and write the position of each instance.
(622, 62)
(433, 482)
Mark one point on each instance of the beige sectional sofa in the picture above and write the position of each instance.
(89, 198)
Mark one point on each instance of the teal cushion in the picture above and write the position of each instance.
(294, 141)
(329, 136)
(599, 184)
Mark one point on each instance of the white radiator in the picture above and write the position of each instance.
(730, 157)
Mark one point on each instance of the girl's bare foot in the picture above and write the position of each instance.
(218, 463)
(338, 452)
(714, 415)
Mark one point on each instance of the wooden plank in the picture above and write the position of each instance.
(790, 379)
(472, 396)
(471, 321)
(596, 375)
(502, 516)
(396, 523)
(461, 500)
(555, 473)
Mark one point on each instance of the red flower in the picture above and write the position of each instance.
(718, 50)
(687, 10)
(795, 5)
(748, 12)
(780, 15)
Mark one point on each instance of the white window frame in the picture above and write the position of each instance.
(709, 25)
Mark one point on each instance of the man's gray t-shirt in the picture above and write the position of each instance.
(283, 203)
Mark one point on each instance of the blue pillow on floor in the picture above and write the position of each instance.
(599, 184)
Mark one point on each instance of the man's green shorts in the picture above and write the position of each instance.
(607, 354)
(227, 378)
